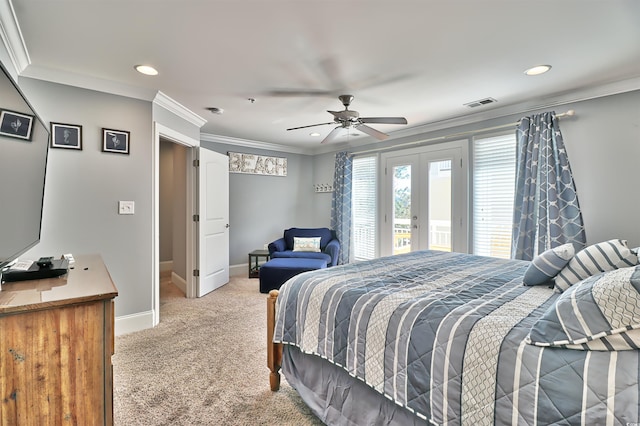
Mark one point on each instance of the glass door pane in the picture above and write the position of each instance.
(424, 200)
(439, 217)
(401, 208)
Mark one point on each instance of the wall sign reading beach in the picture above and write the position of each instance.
(257, 164)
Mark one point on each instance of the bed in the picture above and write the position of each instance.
(447, 338)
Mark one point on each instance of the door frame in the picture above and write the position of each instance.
(460, 200)
(160, 131)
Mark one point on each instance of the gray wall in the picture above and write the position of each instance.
(603, 143)
(83, 187)
(166, 202)
(179, 240)
(323, 169)
(173, 206)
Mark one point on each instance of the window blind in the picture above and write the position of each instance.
(494, 165)
(364, 207)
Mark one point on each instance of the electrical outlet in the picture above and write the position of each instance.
(126, 207)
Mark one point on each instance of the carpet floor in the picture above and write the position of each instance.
(204, 364)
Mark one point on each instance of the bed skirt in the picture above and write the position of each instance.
(336, 397)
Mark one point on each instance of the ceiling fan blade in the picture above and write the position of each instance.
(333, 135)
(300, 93)
(372, 132)
(311, 125)
(384, 120)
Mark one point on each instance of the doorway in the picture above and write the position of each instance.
(204, 201)
(189, 148)
(172, 215)
(424, 199)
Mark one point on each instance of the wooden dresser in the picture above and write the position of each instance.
(56, 343)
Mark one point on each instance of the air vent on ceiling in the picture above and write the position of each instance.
(481, 102)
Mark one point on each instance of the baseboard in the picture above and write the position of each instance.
(135, 322)
(179, 282)
(166, 267)
(239, 270)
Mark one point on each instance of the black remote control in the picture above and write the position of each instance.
(45, 262)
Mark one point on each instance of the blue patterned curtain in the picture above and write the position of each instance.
(546, 209)
(341, 204)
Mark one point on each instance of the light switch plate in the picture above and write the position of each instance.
(126, 207)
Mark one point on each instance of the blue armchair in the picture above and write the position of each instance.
(329, 245)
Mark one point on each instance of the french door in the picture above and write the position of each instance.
(424, 199)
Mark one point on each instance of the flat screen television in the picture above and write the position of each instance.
(24, 143)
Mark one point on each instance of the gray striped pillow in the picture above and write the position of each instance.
(601, 257)
(600, 313)
(548, 264)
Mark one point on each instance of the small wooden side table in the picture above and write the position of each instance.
(254, 262)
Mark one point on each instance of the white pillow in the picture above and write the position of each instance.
(601, 257)
(306, 244)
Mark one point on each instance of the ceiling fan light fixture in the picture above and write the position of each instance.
(537, 70)
(146, 69)
(351, 120)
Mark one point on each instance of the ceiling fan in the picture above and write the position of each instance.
(348, 119)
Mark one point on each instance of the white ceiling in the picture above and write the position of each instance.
(419, 59)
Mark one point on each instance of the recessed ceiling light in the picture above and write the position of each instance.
(539, 69)
(215, 110)
(146, 69)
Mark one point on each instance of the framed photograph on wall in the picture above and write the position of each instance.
(115, 141)
(16, 124)
(67, 136)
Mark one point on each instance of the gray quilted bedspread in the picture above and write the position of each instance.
(444, 335)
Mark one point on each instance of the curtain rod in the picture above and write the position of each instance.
(569, 113)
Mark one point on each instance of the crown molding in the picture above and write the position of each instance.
(178, 109)
(88, 82)
(111, 87)
(12, 39)
(557, 100)
(208, 137)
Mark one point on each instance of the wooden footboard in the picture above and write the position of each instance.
(274, 350)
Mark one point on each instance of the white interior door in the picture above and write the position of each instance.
(213, 224)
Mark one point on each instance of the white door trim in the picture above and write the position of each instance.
(174, 136)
